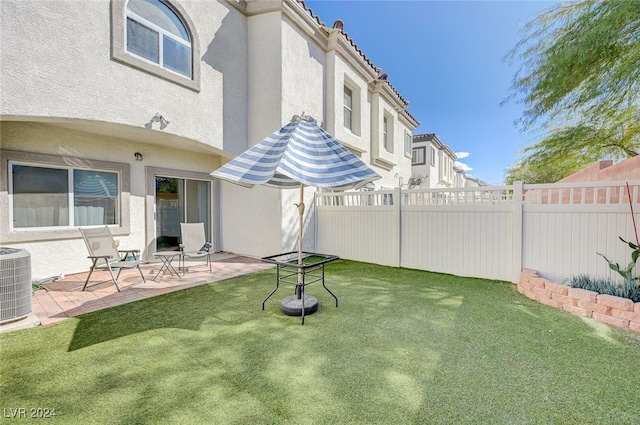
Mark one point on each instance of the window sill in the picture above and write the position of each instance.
(156, 70)
(51, 234)
(383, 163)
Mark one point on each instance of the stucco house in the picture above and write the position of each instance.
(433, 165)
(114, 112)
(433, 160)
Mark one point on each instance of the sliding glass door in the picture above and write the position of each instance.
(178, 201)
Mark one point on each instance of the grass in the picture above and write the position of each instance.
(403, 347)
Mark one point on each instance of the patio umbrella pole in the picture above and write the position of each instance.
(300, 223)
(299, 154)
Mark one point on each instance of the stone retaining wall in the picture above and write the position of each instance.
(616, 311)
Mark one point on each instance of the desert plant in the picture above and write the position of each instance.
(626, 289)
(627, 272)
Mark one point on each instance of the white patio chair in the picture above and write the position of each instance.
(104, 254)
(194, 243)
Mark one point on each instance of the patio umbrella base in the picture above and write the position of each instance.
(292, 306)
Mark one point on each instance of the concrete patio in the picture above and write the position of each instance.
(65, 297)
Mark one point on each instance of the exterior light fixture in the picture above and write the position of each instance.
(158, 117)
(138, 156)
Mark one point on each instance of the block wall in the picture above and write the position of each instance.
(615, 311)
(607, 171)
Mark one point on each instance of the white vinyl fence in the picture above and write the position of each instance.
(489, 232)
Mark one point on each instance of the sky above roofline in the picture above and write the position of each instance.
(447, 59)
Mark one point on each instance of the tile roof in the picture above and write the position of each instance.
(426, 137)
(339, 24)
(432, 137)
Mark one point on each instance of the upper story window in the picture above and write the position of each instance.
(408, 141)
(417, 157)
(433, 156)
(387, 132)
(351, 106)
(445, 168)
(348, 108)
(157, 34)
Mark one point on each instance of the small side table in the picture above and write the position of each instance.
(166, 257)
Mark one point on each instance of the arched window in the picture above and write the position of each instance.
(157, 37)
(155, 32)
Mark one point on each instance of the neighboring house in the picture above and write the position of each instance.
(459, 177)
(433, 165)
(474, 182)
(433, 160)
(115, 112)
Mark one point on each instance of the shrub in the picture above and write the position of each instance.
(627, 289)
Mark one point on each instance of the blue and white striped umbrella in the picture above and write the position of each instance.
(299, 153)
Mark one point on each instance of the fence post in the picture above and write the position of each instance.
(517, 242)
(397, 202)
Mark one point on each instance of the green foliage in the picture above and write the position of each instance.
(626, 273)
(535, 172)
(627, 289)
(35, 286)
(579, 80)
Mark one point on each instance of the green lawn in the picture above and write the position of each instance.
(403, 347)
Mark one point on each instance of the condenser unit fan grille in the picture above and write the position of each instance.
(15, 284)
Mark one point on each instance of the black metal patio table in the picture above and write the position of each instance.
(310, 270)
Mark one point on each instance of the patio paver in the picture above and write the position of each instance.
(65, 297)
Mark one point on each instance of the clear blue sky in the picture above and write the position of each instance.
(447, 59)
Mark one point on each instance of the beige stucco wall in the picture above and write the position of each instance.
(63, 94)
(68, 254)
(56, 63)
(286, 75)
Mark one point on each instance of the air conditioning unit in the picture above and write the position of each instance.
(15, 284)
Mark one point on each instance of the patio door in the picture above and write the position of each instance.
(180, 200)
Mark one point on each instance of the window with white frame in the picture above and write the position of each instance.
(157, 37)
(418, 156)
(408, 141)
(50, 196)
(387, 132)
(348, 108)
(433, 156)
(445, 168)
(351, 108)
(157, 34)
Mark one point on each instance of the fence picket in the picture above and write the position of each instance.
(489, 232)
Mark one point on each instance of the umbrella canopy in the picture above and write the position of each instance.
(299, 153)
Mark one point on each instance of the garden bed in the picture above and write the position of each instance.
(616, 311)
